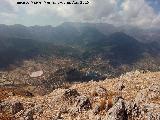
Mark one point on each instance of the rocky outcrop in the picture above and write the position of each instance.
(117, 112)
(11, 107)
(133, 96)
(83, 103)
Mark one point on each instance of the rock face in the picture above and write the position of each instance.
(83, 103)
(103, 100)
(117, 112)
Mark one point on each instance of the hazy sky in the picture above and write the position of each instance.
(142, 13)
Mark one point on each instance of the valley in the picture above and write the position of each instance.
(40, 62)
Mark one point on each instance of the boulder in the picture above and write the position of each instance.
(70, 93)
(117, 112)
(28, 114)
(16, 107)
(11, 107)
(83, 103)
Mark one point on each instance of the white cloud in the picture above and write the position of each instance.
(134, 12)
(130, 12)
(137, 12)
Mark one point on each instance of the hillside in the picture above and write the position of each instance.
(132, 96)
(83, 41)
(69, 53)
(15, 50)
(78, 71)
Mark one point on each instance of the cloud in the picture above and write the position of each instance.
(135, 13)
(117, 12)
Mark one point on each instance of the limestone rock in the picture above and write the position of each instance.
(16, 107)
(83, 103)
(70, 93)
(117, 112)
(28, 114)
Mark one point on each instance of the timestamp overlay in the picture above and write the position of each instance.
(30, 2)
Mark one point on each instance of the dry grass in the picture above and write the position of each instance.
(5, 93)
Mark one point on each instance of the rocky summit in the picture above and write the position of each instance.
(132, 96)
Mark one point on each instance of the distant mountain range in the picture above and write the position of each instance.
(119, 45)
(69, 29)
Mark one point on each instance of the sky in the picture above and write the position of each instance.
(141, 13)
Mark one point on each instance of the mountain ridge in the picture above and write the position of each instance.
(85, 38)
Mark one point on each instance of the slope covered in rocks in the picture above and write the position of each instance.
(132, 96)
